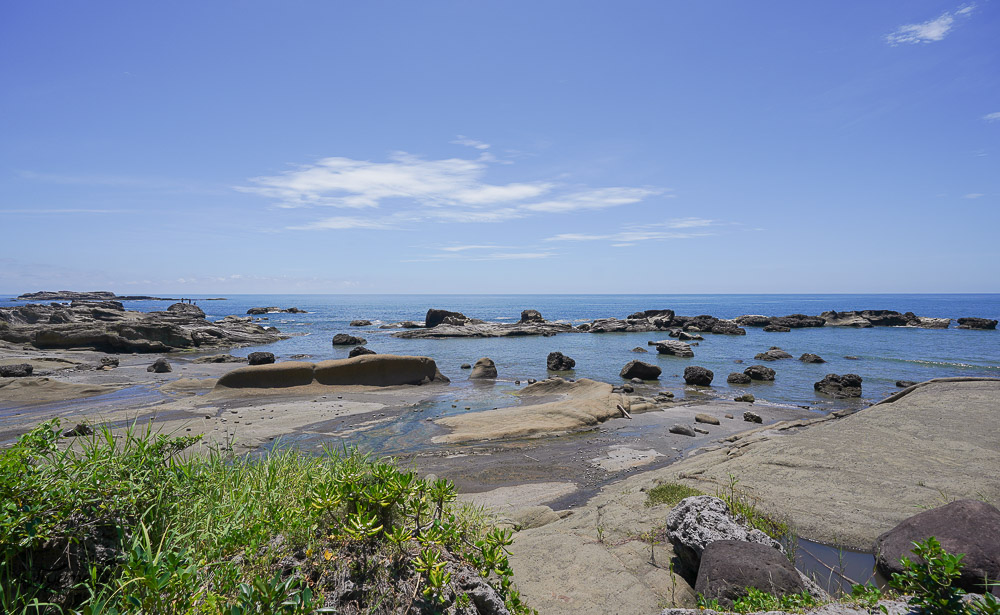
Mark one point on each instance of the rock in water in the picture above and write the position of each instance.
(773, 354)
(159, 366)
(484, 369)
(738, 378)
(905, 384)
(638, 369)
(726, 327)
(976, 323)
(675, 348)
(640, 349)
(18, 370)
(746, 397)
(729, 567)
(558, 362)
(360, 350)
(435, 317)
(760, 372)
(811, 358)
(531, 316)
(700, 520)
(343, 339)
(841, 387)
(963, 526)
(360, 323)
(260, 358)
(777, 329)
(698, 376)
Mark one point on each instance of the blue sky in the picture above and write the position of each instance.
(477, 147)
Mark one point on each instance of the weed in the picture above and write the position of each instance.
(669, 493)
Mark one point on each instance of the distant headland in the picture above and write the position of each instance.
(95, 295)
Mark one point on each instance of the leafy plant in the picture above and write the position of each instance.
(931, 579)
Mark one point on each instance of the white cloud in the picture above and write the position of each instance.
(464, 140)
(592, 199)
(928, 31)
(992, 117)
(499, 253)
(345, 222)
(631, 234)
(974, 195)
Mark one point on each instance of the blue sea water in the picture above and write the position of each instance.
(885, 354)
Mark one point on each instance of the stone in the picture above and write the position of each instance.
(531, 316)
(360, 323)
(186, 309)
(760, 372)
(963, 526)
(260, 358)
(220, 358)
(976, 323)
(697, 521)
(675, 348)
(773, 354)
(81, 429)
(852, 358)
(257, 311)
(811, 358)
(752, 417)
(109, 362)
(159, 366)
(465, 366)
(639, 349)
(365, 370)
(729, 567)
(708, 419)
(777, 329)
(840, 387)
(746, 397)
(357, 351)
(558, 362)
(726, 327)
(738, 378)
(344, 339)
(484, 369)
(638, 369)
(436, 317)
(697, 375)
(17, 370)
(682, 430)
(903, 384)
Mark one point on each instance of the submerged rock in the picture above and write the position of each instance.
(841, 387)
(773, 354)
(558, 362)
(484, 369)
(638, 369)
(344, 339)
(357, 351)
(811, 358)
(360, 323)
(697, 375)
(738, 378)
(675, 348)
(746, 397)
(760, 372)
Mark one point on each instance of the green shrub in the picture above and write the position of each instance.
(669, 493)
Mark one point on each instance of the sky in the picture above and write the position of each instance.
(500, 147)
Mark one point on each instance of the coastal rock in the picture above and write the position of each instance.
(738, 378)
(109, 362)
(17, 370)
(257, 311)
(777, 329)
(638, 369)
(760, 372)
(845, 319)
(159, 366)
(976, 323)
(454, 328)
(841, 387)
(558, 362)
(367, 370)
(963, 526)
(466, 366)
(708, 419)
(675, 348)
(97, 295)
(187, 309)
(773, 354)
(639, 349)
(727, 327)
(903, 384)
(357, 351)
(220, 358)
(684, 336)
(811, 358)
(729, 567)
(697, 375)
(753, 320)
(360, 323)
(663, 315)
(682, 430)
(798, 321)
(925, 322)
(260, 358)
(700, 520)
(484, 368)
(852, 358)
(746, 397)
(344, 339)
(531, 316)
(436, 317)
(752, 417)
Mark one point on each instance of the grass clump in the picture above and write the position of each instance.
(743, 506)
(669, 493)
(136, 523)
(755, 600)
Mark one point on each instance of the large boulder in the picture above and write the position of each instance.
(484, 369)
(436, 317)
(367, 370)
(729, 567)
(662, 315)
(357, 351)
(531, 316)
(17, 370)
(773, 354)
(260, 358)
(811, 358)
(738, 378)
(258, 311)
(976, 323)
(344, 339)
(760, 372)
(641, 370)
(963, 526)
(159, 366)
(700, 520)
(675, 348)
(558, 362)
(697, 375)
(727, 327)
(841, 387)
(186, 309)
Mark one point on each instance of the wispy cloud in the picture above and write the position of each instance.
(408, 189)
(464, 140)
(928, 31)
(483, 253)
(631, 234)
(992, 117)
(974, 195)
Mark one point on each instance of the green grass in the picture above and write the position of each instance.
(669, 493)
(743, 506)
(137, 523)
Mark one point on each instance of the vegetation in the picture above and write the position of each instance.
(743, 506)
(134, 523)
(930, 580)
(756, 600)
(669, 493)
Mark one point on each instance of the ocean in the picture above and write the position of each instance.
(885, 354)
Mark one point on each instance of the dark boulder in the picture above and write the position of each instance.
(360, 323)
(738, 378)
(729, 567)
(674, 348)
(697, 375)
(811, 358)
(726, 327)
(80, 429)
(558, 362)
(109, 362)
(639, 349)
(185, 309)
(638, 369)
(344, 339)
(531, 316)
(753, 320)
(360, 350)
(258, 311)
(17, 370)
(976, 323)
(752, 417)
(760, 372)
(260, 358)
(159, 366)
(904, 384)
(777, 329)
(436, 317)
(664, 315)
(484, 369)
(773, 354)
(798, 321)
(963, 526)
(682, 430)
(841, 387)
(746, 397)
